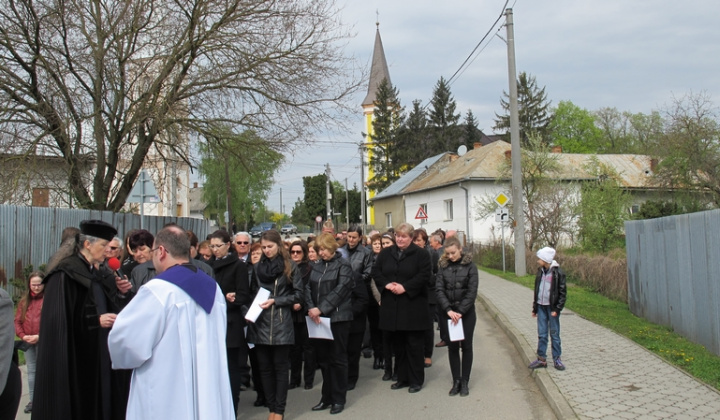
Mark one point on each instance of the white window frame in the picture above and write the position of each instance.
(448, 206)
(388, 219)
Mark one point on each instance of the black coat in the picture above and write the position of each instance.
(72, 379)
(456, 284)
(329, 288)
(274, 326)
(305, 270)
(407, 311)
(231, 275)
(558, 289)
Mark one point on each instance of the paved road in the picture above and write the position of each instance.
(501, 387)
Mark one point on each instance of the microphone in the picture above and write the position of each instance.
(114, 264)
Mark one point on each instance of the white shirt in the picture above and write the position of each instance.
(177, 351)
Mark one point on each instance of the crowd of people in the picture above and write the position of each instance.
(108, 321)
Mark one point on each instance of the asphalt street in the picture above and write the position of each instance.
(501, 387)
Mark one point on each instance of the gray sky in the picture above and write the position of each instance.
(635, 55)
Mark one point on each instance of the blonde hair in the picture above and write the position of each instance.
(326, 241)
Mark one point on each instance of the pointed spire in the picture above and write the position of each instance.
(378, 70)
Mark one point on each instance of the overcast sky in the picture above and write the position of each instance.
(633, 55)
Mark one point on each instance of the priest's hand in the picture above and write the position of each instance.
(314, 314)
(107, 320)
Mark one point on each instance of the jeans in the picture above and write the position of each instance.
(547, 322)
(31, 362)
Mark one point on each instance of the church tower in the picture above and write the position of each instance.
(378, 72)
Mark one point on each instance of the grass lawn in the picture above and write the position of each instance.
(692, 358)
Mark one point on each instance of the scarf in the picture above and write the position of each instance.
(270, 269)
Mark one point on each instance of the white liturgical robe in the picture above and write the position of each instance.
(177, 351)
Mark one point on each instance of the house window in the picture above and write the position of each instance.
(388, 220)
(448, 209)
(179, 210)
(634, 209)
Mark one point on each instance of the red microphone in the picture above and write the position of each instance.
(113, 263)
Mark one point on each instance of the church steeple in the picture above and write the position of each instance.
(378, 70)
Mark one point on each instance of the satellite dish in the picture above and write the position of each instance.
(462, 150)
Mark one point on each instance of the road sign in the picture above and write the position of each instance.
(144, 190)
(501, 214)
(421, 214)
(502, 199)
(318, 219)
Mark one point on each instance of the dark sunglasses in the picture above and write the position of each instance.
(242, 243)
(296, 252)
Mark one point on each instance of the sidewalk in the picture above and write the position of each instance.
(608, 376)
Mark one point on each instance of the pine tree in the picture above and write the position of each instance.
(442, 119)
(533, 110)
(472, 132)
(387, 123)
(414, 139)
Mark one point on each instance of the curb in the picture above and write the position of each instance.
(547, 386)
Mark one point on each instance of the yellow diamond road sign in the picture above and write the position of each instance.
(502, 199)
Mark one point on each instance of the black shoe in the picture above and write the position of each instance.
(350, 387)
(337, 409)
(378, 364)
(399, 385)
(464, 391)
(308, 386)
(394, 377)
(293, 386)
(387, 376)
(455, 388)
(414, 388)
(259, 402)
(321, 406)
(367, 352)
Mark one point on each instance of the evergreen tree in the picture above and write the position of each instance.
(315, 196)
(472, 132)
(387, 123)
(443, 120)
(414, 139)
(533, 110)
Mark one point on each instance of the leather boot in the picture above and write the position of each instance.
(464, 391)
(455, 388)
(378, 364)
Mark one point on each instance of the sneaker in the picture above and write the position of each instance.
(539, 363)
(559, 364)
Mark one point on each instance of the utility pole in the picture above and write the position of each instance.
(327, 191)
(347, 207)
(515, 157)
(281, 206)
(362, 186)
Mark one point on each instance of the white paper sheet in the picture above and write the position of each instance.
(456, 330)
(321, 330)
(254, 312)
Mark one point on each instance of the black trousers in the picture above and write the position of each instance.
(234, 360)
(461, 370)
(302, 354)
(332, 358)
(376, 334)
(10, 398)
(430, 332)
(255, 369)
(442, 323)
(274, 364)
(409, 356)
(354, 347)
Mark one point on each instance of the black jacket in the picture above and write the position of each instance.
(274, 326)
(231, 275)
(305, 270)
(329, 288)
(558, 289)
(456, 284)
(407, 311)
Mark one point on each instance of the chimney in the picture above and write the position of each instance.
(477, 145)
(557, 149)
(453, 157)
(195, 185)
(508, 154)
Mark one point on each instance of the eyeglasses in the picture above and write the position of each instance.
(114, 248)
(217, 246)
(296, 251)
(242, 243)
(154, 249)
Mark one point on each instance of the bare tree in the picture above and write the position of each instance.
(117, 80)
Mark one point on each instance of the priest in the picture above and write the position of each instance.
(173, 335)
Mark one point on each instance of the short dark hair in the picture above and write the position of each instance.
(175, 241)
(141, 237)
(355, 228)
(223, 235)
(192, 237)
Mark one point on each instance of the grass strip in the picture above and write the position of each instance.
(693, 358)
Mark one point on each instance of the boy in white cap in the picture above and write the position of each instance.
(548, 302)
